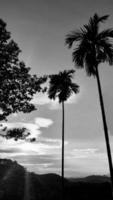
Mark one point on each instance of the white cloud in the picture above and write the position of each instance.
(42, 99)
(45, 154)
(87, 161)
(40, 148)
(73, 98)
(14, 115)
(45, 165)
(84, 153)
(51, 141)
(77, 161)
(33, 128)
(43, 122)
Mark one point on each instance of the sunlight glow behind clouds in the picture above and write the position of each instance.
(84, 161)
(44, 156)
(42, 99)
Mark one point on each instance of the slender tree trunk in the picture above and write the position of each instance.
(62, 171)
(105, 128)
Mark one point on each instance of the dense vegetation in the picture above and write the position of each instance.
(13, 185)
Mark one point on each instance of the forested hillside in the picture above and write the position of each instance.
(18, 184)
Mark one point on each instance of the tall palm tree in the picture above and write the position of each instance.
(92, 48)
(62, 87)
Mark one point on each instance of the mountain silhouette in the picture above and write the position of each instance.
(16, 183)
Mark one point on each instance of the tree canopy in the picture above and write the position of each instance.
(16, 133)
(17, 85)
(61, 85)
(92, 45)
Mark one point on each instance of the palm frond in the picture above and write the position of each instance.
(74, 88)
(92, 27)
(67, 74)
(103, 18)
(74, 36)
(97, 19)
(105, 52)
(108, 33)
(64, 94)
(52, 91)
(79, 53)
(61, 85)
(90, 63)
(92, 46)
(78, 56)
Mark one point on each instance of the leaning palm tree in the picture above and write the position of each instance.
(92, 48)
(62, 87)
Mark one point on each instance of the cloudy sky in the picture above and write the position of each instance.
(39, 27)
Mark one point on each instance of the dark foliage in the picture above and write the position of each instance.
(91, 46)
(61, 85)
(11, 180)
(48, 186)
(16, 133)
(17, 86)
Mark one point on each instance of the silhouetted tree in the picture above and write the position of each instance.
(16, 133)
(62, 87)
(17, 86)
(92, 48)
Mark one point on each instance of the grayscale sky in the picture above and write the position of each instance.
(39, 27)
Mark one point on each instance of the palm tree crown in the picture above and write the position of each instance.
(93, 46)
(61, 85)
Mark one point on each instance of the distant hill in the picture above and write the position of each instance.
(92, 179)
(18, 184)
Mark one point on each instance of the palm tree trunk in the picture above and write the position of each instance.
(62, 171)
(105, 128)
